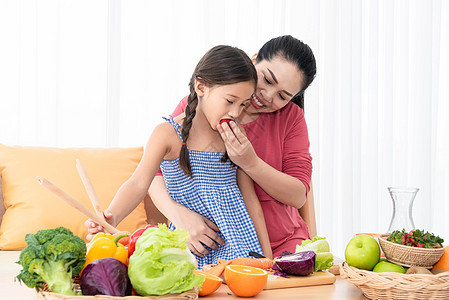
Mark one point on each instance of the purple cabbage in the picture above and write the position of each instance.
(302, 263)
(106, 276)
(285, 253)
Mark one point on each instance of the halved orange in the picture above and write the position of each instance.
(210, 284)
(245, 281)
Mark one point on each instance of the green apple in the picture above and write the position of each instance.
(385, 266)
(362, 252)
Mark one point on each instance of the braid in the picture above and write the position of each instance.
(225, 158)
(184, 160)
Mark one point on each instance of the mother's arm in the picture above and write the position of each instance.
(255, 211)
(281, 186)
(201, 230)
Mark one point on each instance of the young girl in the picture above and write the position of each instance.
(196, 169)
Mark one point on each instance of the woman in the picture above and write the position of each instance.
(275, 153)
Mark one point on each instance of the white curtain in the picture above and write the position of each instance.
(102, 73)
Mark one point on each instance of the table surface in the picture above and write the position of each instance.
(341, 289)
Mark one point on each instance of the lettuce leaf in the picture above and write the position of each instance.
(324, 258)
(162, 264)
(314, 239)
(323, 261)
(319, 245)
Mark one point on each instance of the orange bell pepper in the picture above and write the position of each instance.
(104, 245)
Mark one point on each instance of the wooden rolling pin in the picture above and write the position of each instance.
(76, 204)
(89, 188)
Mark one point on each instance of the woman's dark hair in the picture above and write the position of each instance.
(296, 52)
(221, 65)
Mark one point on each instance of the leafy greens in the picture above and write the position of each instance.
(161, 263)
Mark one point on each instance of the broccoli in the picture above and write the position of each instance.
(54, 257)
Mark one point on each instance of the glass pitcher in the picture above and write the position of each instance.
(403, 198)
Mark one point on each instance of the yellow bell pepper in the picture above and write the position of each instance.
(102, 234)
(104, 245)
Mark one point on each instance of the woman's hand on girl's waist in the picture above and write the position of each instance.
(202, 232)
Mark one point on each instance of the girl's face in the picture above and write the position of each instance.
(223, 101)
(278, 81)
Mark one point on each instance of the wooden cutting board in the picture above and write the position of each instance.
(317, 278)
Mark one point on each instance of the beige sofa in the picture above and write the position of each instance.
(28, 207)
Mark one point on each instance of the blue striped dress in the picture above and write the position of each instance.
(213, 192)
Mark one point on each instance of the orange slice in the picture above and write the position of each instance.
(245, 281)
(211, 283)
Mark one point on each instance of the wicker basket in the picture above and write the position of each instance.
(408, 256)
(399, 286)
(188, 295)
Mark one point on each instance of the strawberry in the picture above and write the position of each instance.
(404, 239)
(225, 121)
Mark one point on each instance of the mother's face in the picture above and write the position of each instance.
(278, 81)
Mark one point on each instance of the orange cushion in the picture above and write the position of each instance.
(31, 207)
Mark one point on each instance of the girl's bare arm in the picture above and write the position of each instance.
(133, 191)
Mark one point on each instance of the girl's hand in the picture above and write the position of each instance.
(202, 232)
(238, 147)
(94, 228)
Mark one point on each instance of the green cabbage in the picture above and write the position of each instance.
(324, 258)
(317, 244)
(162, 264)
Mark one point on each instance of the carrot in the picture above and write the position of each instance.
(262, 263)
(218, 269)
